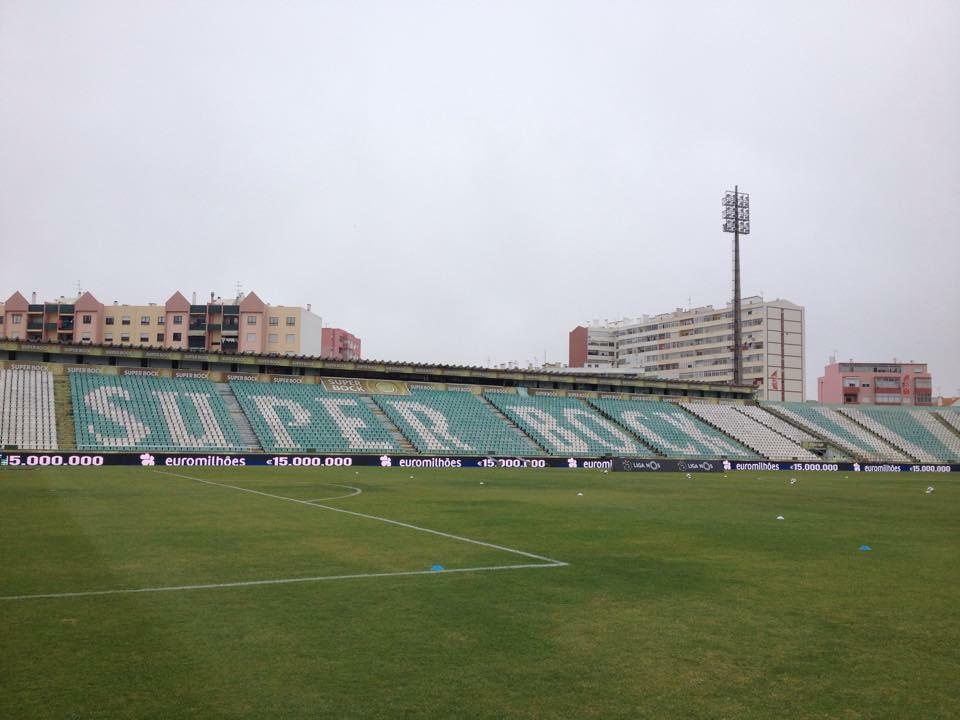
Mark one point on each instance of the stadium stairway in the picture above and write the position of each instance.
(877, 428)
(496, 411)
(247, 436)
(838, 430)
(403, 442)
(63, 412)
(644, 443)
(950, 418)
(749, 431)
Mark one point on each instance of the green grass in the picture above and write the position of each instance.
(682, 598)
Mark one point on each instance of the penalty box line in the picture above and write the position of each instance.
(544, 563)
(549, 562)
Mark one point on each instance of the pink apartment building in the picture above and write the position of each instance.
(862, 383)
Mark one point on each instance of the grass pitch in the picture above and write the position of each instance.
(679, 598)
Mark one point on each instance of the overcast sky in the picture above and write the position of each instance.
(465, 182)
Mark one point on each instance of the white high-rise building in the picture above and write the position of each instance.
(697, 344)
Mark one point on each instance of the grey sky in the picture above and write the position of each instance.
(457, 182)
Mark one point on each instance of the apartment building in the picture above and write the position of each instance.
(871, 383)
(697, 344)
(244, 324)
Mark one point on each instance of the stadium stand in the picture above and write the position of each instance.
(777, 424)
(670, 431)
(914, 431)
(768, 443)
(837, 429)
(150, 413)
(27, 417)
(454, 423)
(950, 417)
(565, 426)
(306, 417)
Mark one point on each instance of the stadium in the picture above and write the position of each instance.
(378, 360)
(545, 544)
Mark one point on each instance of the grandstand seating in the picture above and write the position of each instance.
(750, 432)
(566, 426)
(912, 430)
(306, 417)
(777, 424)
(27, 417)
(453, 423)
(839, 430)
(670, 431)
(951, 417)
(150, 413)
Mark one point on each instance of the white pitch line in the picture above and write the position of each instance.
(558, 563)
(356, 491)
(280, 581)
(546, 562)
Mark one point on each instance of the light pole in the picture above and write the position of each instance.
(736, 220)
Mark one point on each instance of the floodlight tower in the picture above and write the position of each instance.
(736, 220)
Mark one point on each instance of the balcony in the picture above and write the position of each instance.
(66, 324)
(50, 326)
(66, 309)
(231, 310)
(198, 309)
(213, 327)
(35, 308)
(35, 325)
(196, 324)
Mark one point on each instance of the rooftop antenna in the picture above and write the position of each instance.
(239, 289)
(79, 291)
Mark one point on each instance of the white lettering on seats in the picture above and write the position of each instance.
(545, 424)
(620, 442)
(98, 401)
(349, 426)
(267, 405)
(213, 433)
(412, 411)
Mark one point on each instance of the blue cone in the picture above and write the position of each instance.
(436, 568)
(865, 548)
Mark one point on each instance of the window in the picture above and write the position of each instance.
(291, 339)
(178, 319)
(124, 337)
(87, 319)
(160, 320)
(85, 337)
(1, 319)
(274, 321)
(251, 337)
(251, 319)
(144, 319)
(159, 337)
(273, 337)
(15, 318)
(177, 337)
(125, 320)
(109, 320)
(144, 337)
(291, 321)
(108, 338)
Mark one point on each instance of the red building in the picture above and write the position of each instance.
(339, 344)
(859, 383)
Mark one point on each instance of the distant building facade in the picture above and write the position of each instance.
(339, 344)
(243, 324)
(697, 344)
(865, 383)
